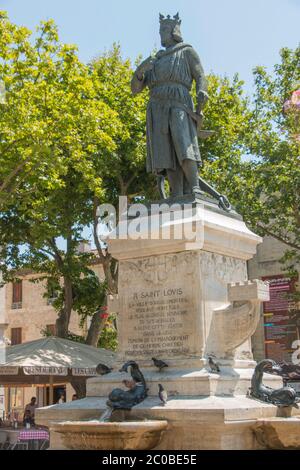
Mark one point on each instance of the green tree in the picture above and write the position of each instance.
(227, 112)
(265, 186)
(268, 192)
(56, 135)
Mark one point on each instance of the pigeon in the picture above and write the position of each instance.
(213, 365)
(159, 364)
(162, 393)
(102, 369)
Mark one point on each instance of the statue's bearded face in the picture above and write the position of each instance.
(166, 35)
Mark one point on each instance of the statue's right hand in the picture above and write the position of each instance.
(145, 66)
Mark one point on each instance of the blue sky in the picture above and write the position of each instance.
(229, 35)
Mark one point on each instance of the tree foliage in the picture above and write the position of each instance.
(56, 136)
(227, 112)
(270, 182)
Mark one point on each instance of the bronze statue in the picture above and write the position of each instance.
(120, 399)
(172, 143)
(173, 125)
(285, 396)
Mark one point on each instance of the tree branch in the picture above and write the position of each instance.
(57, 256)
(279, 238)
(12, 174)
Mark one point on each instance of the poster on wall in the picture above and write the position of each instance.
(280, 318)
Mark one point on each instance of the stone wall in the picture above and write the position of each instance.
(35, 313)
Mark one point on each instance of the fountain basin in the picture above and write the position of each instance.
(278, 433)
(96, 435)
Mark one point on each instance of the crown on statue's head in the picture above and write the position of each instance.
(175, 21)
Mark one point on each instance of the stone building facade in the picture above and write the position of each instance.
(29, 314)
(266, 264)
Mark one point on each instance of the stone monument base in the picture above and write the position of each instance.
(194, 422)
(204, 410)
(183, 301)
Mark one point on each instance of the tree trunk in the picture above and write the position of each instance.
(111, 275)
(62, 323)
(96, 326)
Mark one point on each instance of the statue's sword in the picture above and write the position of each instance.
(202, 133)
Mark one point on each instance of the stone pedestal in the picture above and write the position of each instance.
(178, 307)
(172, 292)
(182, 300)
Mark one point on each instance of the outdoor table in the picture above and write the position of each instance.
(33, 436)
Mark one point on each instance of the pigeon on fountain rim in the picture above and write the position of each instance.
(163, 395)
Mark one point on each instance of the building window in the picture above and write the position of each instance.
(50, 330)
(16, 336)
(17, 295)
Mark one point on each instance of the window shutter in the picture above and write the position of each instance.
(17, 292)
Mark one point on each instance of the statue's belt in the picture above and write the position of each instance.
(169, 83)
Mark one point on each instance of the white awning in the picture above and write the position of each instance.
(55, 356)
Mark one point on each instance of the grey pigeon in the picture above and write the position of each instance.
(213, 365)
(162, 393)
(159, 364)
(102, 369)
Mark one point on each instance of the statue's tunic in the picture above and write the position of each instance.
(171, 131)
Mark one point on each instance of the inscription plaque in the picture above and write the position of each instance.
(159, 311)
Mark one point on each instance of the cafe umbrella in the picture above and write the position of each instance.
(51, 360)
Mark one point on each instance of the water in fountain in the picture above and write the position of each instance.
(106, 415)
